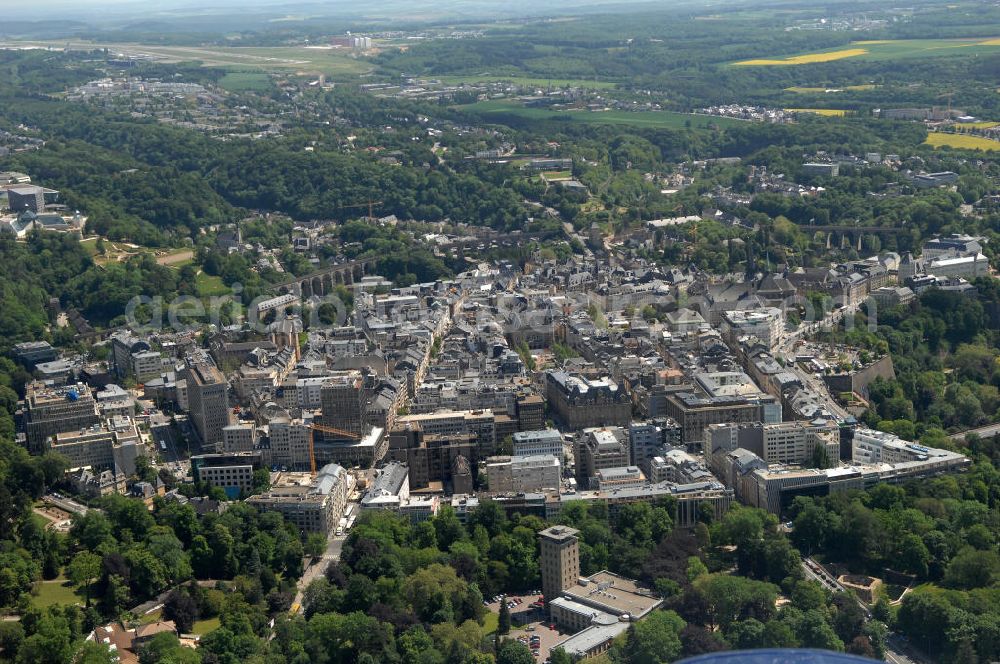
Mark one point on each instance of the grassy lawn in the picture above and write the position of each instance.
(530, 82)
(961, 141)
(240, 81)
(668, 119)
(150, 618)
(208, 285)
(490, 622)
(202, 627)
(90, 246)
(57, 591)
(884, 49)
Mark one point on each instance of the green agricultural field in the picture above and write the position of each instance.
(799, 89)
(241, 81)
(884, 49)
(532, 82)
(669, 119)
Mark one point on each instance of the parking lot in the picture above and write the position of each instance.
(546, 638)
(529, 620)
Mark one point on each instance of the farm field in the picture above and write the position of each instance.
(827, 112)
(961, 141)
(799, 89)
(886, 49)
(639, 119)
(268, 58)
(806, 59)
(528, 81)
(976, 125)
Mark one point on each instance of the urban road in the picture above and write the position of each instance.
(982, 432)
(897, 650)
(334, 546)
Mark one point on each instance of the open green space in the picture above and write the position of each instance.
(208, 285)
(667, 119)
(528, 81)
(287, 59)
(57, 591)
(202, 627)
(883, 49)
(242, 81)
(490, 622)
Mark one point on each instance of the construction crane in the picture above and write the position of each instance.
(322, 428)
(949, 95)
(370, 205)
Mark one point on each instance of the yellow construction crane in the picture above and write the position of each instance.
(322, 428)
(949, 95)
(370, 205)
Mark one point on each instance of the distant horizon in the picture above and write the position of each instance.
(89, 10)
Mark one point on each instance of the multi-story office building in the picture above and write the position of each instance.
(530, 412)
(695, 413)
(208, 400)
(648, 439)
(606, 447)
(785, 443)
(345, 397)
(114, 446)
(124, 347)
(431, 457)
(767, 324)
(29, 197)
(146, 365)
(521, 474)
(51, 410)
(623, 477)
(679, 467)
(598, 609)
(870, 446)
(239, 437)
(34, 352)
(544, 441)
(480, 425)
(233, 472)
(580, 403)
(313, 504)
(289, 443)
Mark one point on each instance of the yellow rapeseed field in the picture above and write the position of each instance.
(810, 58)
(961, 141)
(965, 126)
(828, 112)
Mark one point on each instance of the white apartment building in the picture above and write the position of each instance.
(765, 323)
(545, 441)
